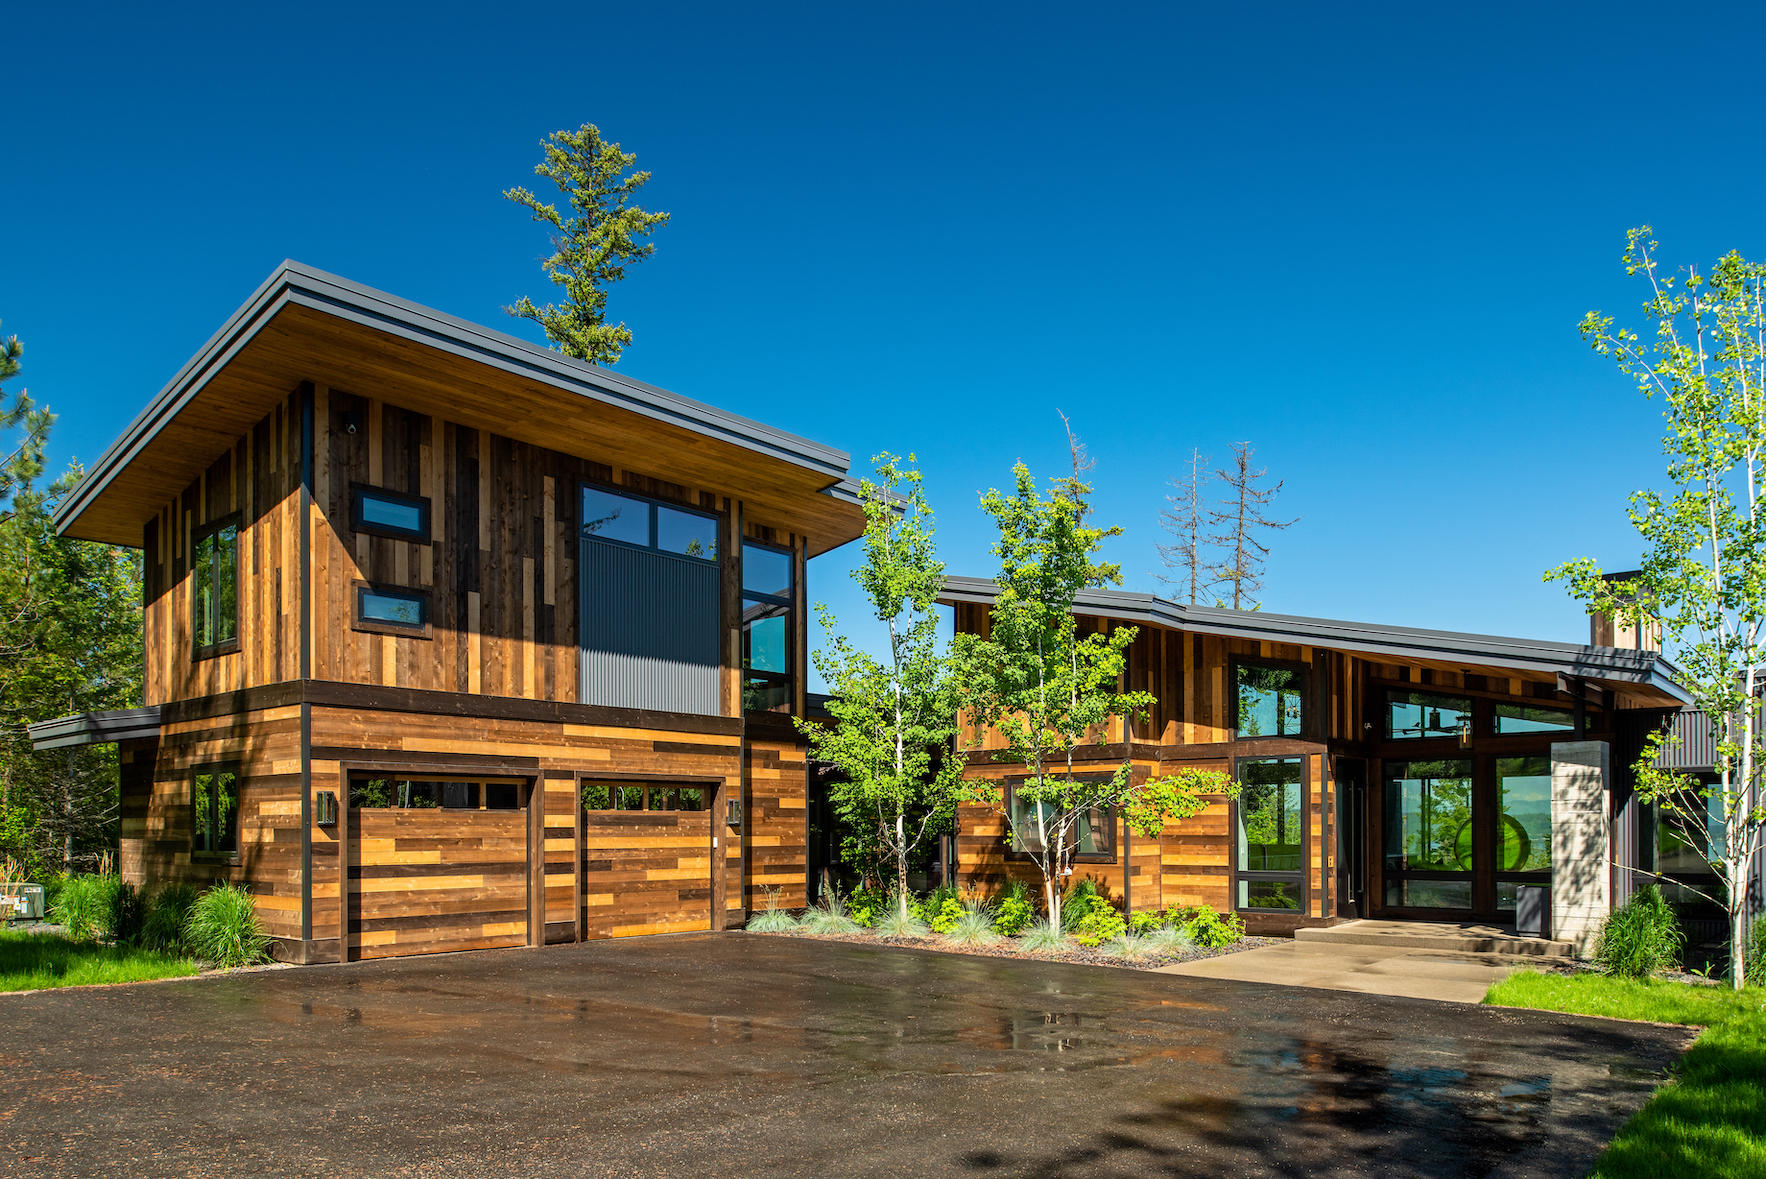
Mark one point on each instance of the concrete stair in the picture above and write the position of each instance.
(1443, 936)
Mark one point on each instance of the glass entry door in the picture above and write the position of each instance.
(1351, 837)
(1430, 843)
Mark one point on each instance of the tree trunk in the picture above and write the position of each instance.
(1738, 922)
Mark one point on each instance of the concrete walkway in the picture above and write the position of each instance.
(1397, 970)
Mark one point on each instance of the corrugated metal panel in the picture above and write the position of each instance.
(1696, 748)
(649, 627)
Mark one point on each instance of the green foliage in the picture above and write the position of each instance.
(37, 960)
(1211, 931)
(865, 906)
(124, 914)
(1170, 939)
(167, 911)
(1640, 938)
(945, 918)
(601, 234)
(895, 718)
(894, 923)
(1710, 1119)
(1130, 947)
(1100, 924)
(1043, 937)
(223, 928)
(1013, 914)
(1703, 570)
(84, 906)
(829, 916)
(1141, 921)
(1754, 959)
(972, 927)
(1078, 902)
(1046, 689)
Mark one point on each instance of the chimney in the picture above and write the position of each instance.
(1604, 630)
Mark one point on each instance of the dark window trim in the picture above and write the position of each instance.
(787, 602)
(652, 502)
(1107, 856)
(359, 491)
(359, 589)
(1496, 707)
(761, 595)
(197, 536)
(1306, 702)
(216, 767)
(1301, 875)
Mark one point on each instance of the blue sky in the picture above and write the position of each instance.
(1359, 237)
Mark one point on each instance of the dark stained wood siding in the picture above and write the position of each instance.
(647, 872)
(424, 881)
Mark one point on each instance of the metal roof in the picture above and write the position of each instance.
(1607, 663)
(296, 284)
(95, 728)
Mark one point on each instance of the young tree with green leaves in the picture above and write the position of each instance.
(1047, 690)
(894, 717)
(1704, 566)
(593, 241)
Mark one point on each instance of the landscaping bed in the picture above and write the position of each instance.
(1006, 948)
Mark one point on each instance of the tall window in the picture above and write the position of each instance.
(214, 826)
(1270, 700)
(1523, 798)
(1429, 834)
(214, 581)
(1271, 834)
(767, 585)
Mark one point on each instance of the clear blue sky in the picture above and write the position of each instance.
(1358, 236)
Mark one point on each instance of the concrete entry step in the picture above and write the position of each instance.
(1448, 936)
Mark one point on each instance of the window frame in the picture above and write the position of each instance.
(218, 855)
(230, 644)
(1558, 734)
(523, 789)
(1300, 876)
(359, 590)
(1305, 692)
(1015, 852)
(359, 492)
(788, 602)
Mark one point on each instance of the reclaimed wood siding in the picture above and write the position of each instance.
(647, 872)
(257, 477)
(778, 822)
(426, 881)
(156, 811)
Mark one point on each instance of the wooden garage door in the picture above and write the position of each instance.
(646, 858)
(437, 864)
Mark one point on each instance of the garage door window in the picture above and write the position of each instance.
(627, 796)
(448, 794)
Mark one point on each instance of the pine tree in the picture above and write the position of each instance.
(1242, 520)
(592, 246)
(1183, 518)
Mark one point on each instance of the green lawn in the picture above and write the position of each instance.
(1710, 1120)
(33, 961)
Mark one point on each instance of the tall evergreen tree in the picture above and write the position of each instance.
(600, 234)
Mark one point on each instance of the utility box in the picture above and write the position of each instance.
(22, 902)
(1533, 910)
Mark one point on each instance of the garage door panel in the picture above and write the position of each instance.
(646, 872)
(430, 880)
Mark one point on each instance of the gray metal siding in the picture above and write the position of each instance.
(1697, 745)
(649, 627)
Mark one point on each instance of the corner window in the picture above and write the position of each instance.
(768, 577)
(628, 519)
(1269, 700)
(380, 512)
(1512, 719)
(1271, 834)
(1414, 715)
(626, 796)
(1094, 832)
(435, 794)
(214, 827)
(214, 592)
(398, 611)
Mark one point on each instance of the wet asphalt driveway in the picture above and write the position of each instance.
(742, 1055)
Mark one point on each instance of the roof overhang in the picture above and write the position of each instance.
(96, 728)
(304, 325)
(1645, 674)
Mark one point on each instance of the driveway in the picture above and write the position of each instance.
(740, 1054)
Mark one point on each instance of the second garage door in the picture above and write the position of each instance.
(647, 862)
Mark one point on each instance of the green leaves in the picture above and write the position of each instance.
(592, 244)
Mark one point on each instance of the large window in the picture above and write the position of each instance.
(1093, 836)
(1269, 700)
(214, 827)
(1523, 799)
(214, 587)
(1271, 834)
(1513, 719)
(436, 793)
(627, 519)
(1412, 715)
(1429, 834)
(767, 584)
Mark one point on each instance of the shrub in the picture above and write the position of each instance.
(1141, 921)
(893, 924)
(124, 912)
(1212, 931)
(973, 927)
(83, 906)
(1043, 937)
(162, 929)
(865, 906)
(829, 916)
(945, 917)
(223, 928)
(1077, 902)
(1755, 958)
(1012, 916)
(1100, 924)
(1640, 938)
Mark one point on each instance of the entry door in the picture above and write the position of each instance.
(1351, 837)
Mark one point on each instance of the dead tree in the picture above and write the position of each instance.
(1183, 518)
(1242, 521)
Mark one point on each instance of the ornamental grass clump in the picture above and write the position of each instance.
(82, 906)
(1042, 937)
(1169, 939)
(162, 930)
(894, 923)
(773, 919)
(972, 928)
(223, 928)
(1642, 937)
(1130, 947)
(829, 917)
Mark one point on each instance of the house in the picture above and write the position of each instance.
(1386, 772)
(455, 642)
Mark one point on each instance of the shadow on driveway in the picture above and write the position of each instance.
(739, 1054)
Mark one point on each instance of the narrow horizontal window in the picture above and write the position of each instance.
(393, 609)
(389, 513)
(1525, 718)
(1412, 715)
(433, 794)
(616, 796)
(630, 519)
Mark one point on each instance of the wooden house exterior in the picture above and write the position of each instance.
(453, 642)
(1385, 772)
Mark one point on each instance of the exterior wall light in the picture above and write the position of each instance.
(325, 808)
